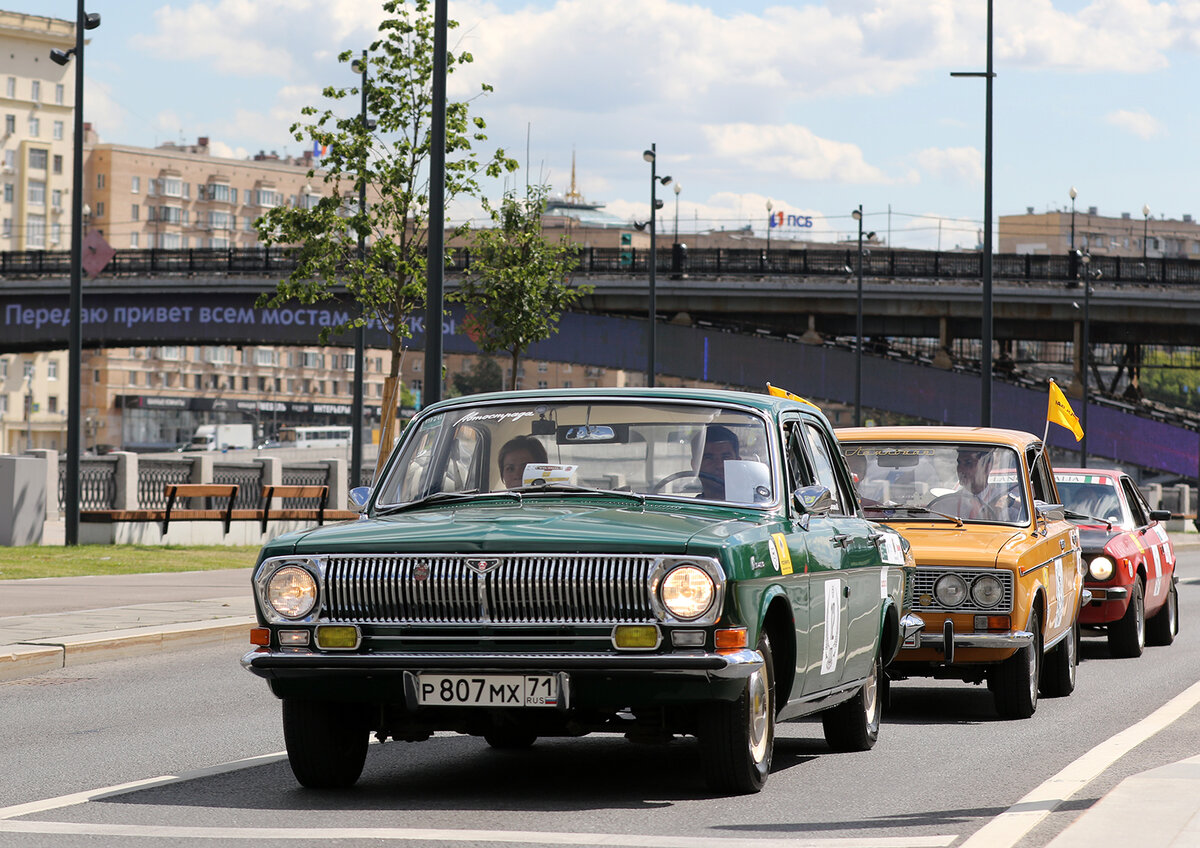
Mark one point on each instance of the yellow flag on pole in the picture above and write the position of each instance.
(784, 393)
(1059, 412)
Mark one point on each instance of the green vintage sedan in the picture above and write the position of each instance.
(653, 563)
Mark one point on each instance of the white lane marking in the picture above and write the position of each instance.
(74, 798)
(1008, 828)
(520, 837)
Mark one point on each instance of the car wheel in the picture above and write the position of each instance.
(737, 738)
(326, 742)
(510, 738)
(1062, 664)
(1164, 627)
(1127, 637)
(854, 725)
(1015, 681)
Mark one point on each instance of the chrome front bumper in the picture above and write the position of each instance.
(271, 664)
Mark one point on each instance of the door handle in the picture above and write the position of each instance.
(846, 591)
(841, 539)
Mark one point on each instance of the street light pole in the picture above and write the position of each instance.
(1072, 193)
(356, 406)
(83, 21)
(678, 188)
(857, 214)
(1085, 352)
(436, 263)
(985, 341)
(1145, 228)
(651, 156)
(770, 223)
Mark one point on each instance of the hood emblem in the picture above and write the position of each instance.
(421, 573)
(481, 565)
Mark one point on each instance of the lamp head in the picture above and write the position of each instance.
(1146, 210)
(870, 236)
(664, 180)
(648, 155)
(1072, 193)
(678, 188)
(61, 57)
(91, 20)
(640, 226)
(769, 205)
(856, 215)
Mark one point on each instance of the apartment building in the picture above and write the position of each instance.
(1133, 234)
(181, 196)
(36, 103)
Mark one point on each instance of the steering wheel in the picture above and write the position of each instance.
(990, 512)
(671, 478)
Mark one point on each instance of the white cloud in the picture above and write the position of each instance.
(955, 164)
(106, 115)
(224, 151)
(1139, 123)
(792, 150)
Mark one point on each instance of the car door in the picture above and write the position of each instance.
(1151, 540)
(1059, 551)
(796, 540)
(845, 568)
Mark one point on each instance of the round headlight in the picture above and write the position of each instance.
(950, 590)
(1101, 568)
(292, 592)
(688, 592)
(987, 590)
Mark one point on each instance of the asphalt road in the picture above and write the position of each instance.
(945, 766)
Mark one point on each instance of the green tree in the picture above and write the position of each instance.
(518, 283)
(484, 376)
(389, 159)
(1163, 380)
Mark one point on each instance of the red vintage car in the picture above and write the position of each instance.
(1130, 559)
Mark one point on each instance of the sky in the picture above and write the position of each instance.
(816, 106)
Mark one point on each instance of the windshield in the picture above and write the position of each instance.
(672, 449)
(969, 481)
(1091, 494)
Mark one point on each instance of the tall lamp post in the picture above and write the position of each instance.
(356, 406)
(858, 325)
(1145, 228)
(83, 21)
(436, 263)
(678, 188)
(1085, 353)
(1073, 195)
(985, 341)
(770, 223)
(651, 156)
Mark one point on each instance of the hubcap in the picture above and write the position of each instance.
(871, 696)
(1141, 621)
(1033, 671)
(1072, 644)
(759, 710)
(1173, 612)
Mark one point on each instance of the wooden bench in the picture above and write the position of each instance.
(269, 492)
(229, 491)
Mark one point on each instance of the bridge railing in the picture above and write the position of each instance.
(897, 264)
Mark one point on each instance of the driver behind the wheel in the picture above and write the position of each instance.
(975, 498)
(720, 445)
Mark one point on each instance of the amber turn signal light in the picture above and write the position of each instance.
(260, 636)
(732, 639)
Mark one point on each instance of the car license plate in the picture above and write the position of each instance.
(488, 690)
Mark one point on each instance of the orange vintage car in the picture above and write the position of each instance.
(999, 580)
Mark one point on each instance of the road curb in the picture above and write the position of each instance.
(28, 659)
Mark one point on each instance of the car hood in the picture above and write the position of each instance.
(1094, 539)
(946, 545)
(559, 526)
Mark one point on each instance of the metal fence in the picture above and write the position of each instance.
(878, 262)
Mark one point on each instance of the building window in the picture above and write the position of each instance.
(168, 241)
(264, 356)
(566, 384)
(101, 179)
(311, 360)
(8, 193)
(52, 404)
(172, 187)
(172, 352)
(542, 384)
(10, 159)
(37, 159)
(58, 162)
(59, 93)
(217, 355)
(55, 232)
(10, 87)
(52, 369)
(35, 90)
(100, 209)
(56, 198)
(35, 230)
(35, 127)
(37, 193)
(134, 212)
(58, 130)
(7, 228)
(133, 239)
(10, 124)
(543, 367)
(198, 382)
(96, 376)
(133, 378)
(219, 220)
(151, 187)
(135, 185)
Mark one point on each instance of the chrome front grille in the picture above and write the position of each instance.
(519, 589)
(924, 578)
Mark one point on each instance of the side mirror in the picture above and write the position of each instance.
(1160, 515)
(812, 500)
(1049, 512)
(359, 496)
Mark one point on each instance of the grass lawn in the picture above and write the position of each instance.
(51, 561)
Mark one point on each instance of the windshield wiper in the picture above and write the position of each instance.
(571, 489)
(442, 497)
(1092, 519)
(892, 507)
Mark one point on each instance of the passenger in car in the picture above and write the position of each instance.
(720, 444)
(515, 454)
